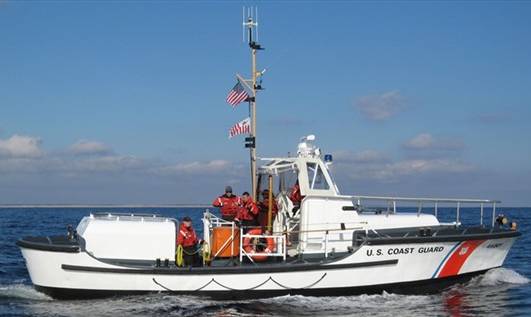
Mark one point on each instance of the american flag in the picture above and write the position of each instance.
(237, 94)
(241, 127)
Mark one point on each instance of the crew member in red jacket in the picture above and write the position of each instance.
(187, 238)
(264, 208)
(296, 197)
(248, 212)
(228, 204)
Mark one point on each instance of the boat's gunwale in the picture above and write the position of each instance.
(445, 238)
(247, 269)
(73, 248)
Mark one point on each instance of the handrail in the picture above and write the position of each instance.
(215, 221)
(327, 230)
(417, 199)
(123, 214)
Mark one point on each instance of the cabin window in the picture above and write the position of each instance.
(316, 178)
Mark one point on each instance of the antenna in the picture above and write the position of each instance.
(250, 25)
(250, 22)
(243, 24)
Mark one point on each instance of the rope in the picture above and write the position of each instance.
(164, 287)
(179, 261)
(206, 253)
(309, 286)
(197, 290)
(245, 289)
(213, 280)
(180, 252)
(193, 253)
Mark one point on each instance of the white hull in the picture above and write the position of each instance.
(370, 268)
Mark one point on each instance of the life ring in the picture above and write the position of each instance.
(250, 245)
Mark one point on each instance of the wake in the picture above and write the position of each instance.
(21, 291)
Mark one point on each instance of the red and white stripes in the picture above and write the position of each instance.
(241, 127)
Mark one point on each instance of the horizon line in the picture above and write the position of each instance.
(198, 205)
(105, 206)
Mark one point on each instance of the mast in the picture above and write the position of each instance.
(251, 24)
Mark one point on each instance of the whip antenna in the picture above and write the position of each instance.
(243, 24)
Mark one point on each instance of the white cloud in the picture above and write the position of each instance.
(421, 166)
(380, 107)
(421, 141)
(197, 167)
(375, 166)
(86, 147)
(426, 141)
(111, 163)
(20, 146)
(398, 171)
(363, 157)
(57, 177)
(72, 166)
(22, 155)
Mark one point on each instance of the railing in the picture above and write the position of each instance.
(117, 216)
(127, 214)
(212, 221)
(392, 204)
(325, 239)
(279, 251)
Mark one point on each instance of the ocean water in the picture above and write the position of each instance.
(500, 292)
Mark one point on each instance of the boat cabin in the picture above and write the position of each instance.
(326, 220)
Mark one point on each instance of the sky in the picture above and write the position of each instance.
(124, 102)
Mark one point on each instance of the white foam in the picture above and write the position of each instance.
(501, 276)
(21, 291)
(349, 302)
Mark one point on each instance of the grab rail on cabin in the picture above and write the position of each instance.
(123, 214)
(126, 216)
(392, 204)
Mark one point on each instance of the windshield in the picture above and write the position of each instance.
(316, 178)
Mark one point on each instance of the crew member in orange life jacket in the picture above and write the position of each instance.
(296, 197)
(264, 208)
(247, 215)
(188, 239)
(228, 204)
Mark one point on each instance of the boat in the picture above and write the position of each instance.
(328, 244)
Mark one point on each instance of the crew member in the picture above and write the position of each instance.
(264, 208)
(247, 214)
(228, 204)
(187, 238)
(296, 197)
